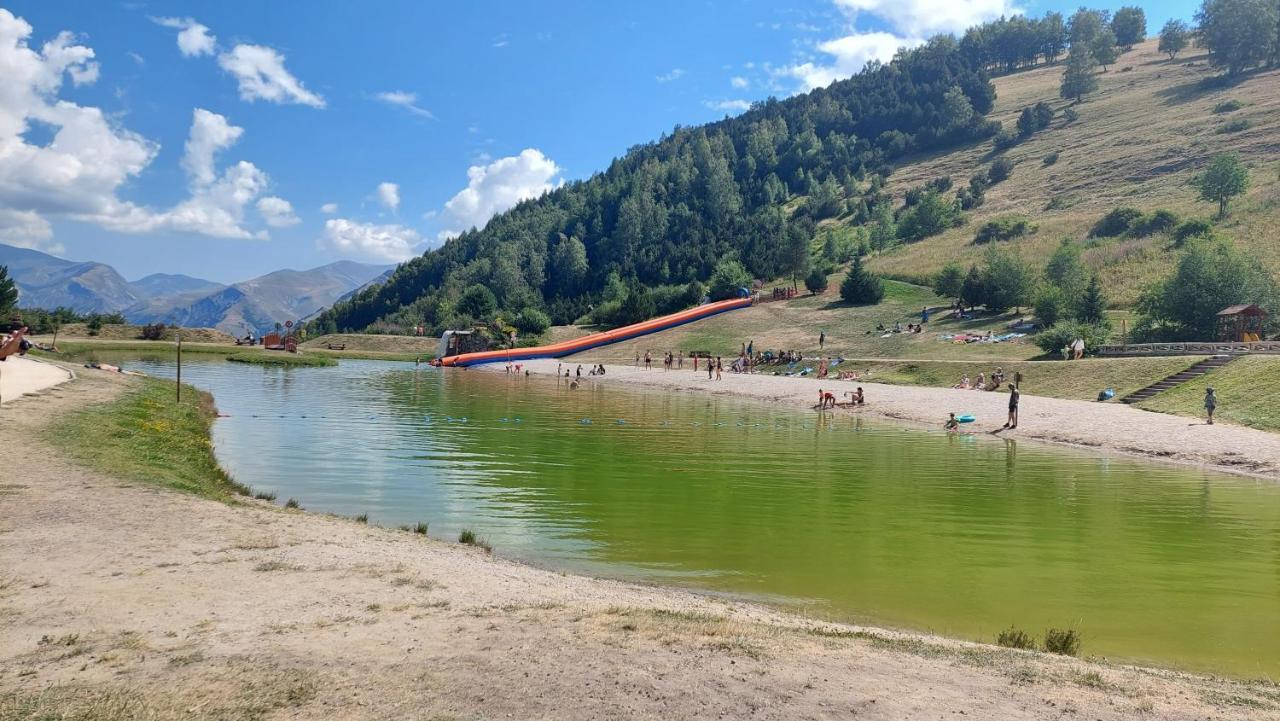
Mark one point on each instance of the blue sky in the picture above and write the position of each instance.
(231, 139)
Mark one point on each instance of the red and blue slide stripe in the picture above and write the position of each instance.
(595, 340)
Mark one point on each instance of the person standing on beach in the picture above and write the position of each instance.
(1014, 397)
(1210, 403)
(680, 361)
(822, 339)
(648, 361)
(719, 367)
(711, 367)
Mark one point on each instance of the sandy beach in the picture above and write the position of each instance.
(23, 376)
(122, 601)
(1104, 427)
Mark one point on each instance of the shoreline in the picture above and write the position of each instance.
(157, 602)
(1109, 427)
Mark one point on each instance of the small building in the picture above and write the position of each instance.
(1241, 323)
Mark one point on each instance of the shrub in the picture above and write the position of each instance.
(1227, 106)
(931, 215)
(816, 281)
(1006, 228)
(860, 287)
(420, 528)
(362, 518)
(1116, 223)
(1050, 306)
(1160, 221)
(1070, 115)
(1192, 228)
(531, 321)
(1056, 337)
(1063, 641)
(292, 503)
(1051, 158)
(949, 281)
(1235, 126)
(153, 332)
(1016, 638)
(1000, 170)
(729, 275)
(1004, 140)
(94, 324)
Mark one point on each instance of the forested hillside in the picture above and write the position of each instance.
(1095, 153)
(666, 212)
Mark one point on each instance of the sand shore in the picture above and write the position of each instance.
(1107, 427)
(121, 601)
(24, 376)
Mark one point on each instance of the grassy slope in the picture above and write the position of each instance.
(1247, 390)
(134, 332)
(1139, 141)
(392, 347)
(146, 435)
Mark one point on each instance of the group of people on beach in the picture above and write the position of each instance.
(982, 383)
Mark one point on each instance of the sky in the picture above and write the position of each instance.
(227, 140)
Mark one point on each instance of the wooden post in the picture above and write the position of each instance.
(179, 337)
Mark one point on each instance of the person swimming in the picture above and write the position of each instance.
(952, 424)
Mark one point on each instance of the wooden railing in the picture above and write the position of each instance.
(1143, 349)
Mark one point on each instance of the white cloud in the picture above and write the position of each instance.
(26, 229)
(675, 74)
(194, 39)
(389, 195)
(261, 74)
(498, 186)
(728, 106)
(402, 99)
(850, 54)
(210, 133)
(329, 208)
(738, 82)
(277, 212)
(922, 18)
(366, 240)
(135, 57)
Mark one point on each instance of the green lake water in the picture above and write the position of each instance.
(827, 514)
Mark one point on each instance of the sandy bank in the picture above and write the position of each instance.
(23, 376)
(121, 601)
(1112, 427)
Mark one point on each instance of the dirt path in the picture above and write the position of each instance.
(1110, 427)
(120, 601)
(24, 376)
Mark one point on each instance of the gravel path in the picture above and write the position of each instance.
(23, 376)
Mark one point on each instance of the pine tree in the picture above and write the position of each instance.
(1078, 80)
(861, 287)
(8, 292)
(1092, 307)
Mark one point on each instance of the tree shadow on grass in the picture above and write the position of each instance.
(1195, 90)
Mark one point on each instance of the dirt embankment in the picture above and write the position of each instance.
(121, 601)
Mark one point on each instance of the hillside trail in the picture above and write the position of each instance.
(123, 601)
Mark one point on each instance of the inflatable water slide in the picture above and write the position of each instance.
(595, 340)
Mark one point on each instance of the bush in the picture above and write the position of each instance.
(1070, 115)
(1056, 337)
(1235, 126)
(1063, 641)
(531, 321)
(1051, 158)
(1227, 106)
(94, 324)
(153, 332)
(1160, 221)
(1050, 306)
(1193, 228)
(816, 281)
(729, 275)
(1116, 223)
(1000, 170)
(949, 281)
(860, 287)
(931, 215)
(1004, 140)
(1016, 638)
(1006, 228)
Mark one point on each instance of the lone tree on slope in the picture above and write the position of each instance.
(1225, 178)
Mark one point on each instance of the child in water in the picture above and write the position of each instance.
(952, 424)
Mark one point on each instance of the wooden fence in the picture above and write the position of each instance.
(1149, 349)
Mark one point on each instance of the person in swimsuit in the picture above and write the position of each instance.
(1210, 403)
(719, 367)
(952, 424)
(1014, 397)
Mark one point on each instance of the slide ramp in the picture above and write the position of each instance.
(595, 340)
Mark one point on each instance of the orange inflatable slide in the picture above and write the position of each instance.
(595, 340)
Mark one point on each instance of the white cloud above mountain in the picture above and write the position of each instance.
(277, 212)
(498, 186)
(370, 241)
(26, 229)
(261, 75)
(389, 195)
(210, 133)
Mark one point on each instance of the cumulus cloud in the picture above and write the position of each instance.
(497, 186)
(728, 106)
(922, 18)
(194, 39)
(210, 133)
(277, 212)
(261, 74)
(329, 208)
(373, 242)
(26, 229)
(738, 82)
(675, 74)
(909, 23)
(389, 195)
(405, 100)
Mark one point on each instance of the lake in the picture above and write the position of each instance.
(829, 515)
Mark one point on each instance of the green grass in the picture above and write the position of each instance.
(1247, 390)
(1062, 641)
(469, 537)
(1078, 380)
(80, 349)
(146, 435)
(279, 358)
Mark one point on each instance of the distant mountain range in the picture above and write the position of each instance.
(45, 281)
